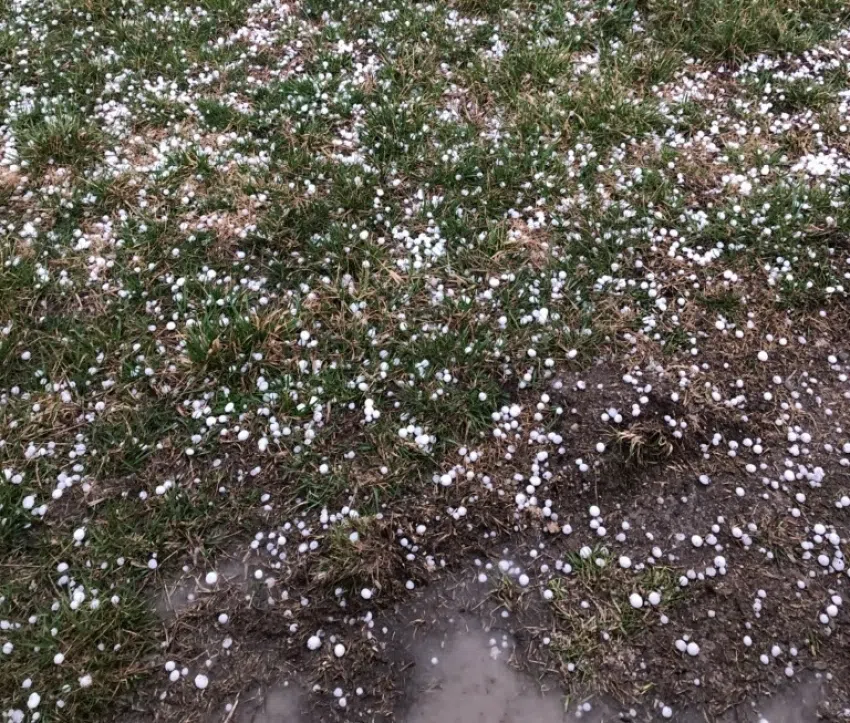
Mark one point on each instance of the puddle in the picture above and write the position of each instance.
(464, 676)
(795, 705)
(281, 704)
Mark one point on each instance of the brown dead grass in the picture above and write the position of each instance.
(533, 244)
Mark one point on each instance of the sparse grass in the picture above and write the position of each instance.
(643, 445)
(593, 615)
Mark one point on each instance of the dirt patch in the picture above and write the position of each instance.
(231, 573)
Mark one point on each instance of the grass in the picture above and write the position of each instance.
(290, 272)
(61, 138)
(584, 633)
(643, 445)
(736, 29)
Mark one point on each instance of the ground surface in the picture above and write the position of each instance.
(313, 314)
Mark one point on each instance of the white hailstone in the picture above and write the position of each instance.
(314, 643)
(693, 649)
(548, 594)
(58, 659)
(594, 511)
(635, 600)
(625, 562)
(832, 611)
(523, 580)
(762, 356)
(681, 646)
(79, 534)
(366, 593)
(667, 711)
(696, 541)
(33, 701)
(201, 681)
(85, 681)
(223, 618)
(823, 560)
(170, 665)
(211, 578)
(7, 648)
(654, 599)
(152, 563)
(600, 447)
(339, 650)
(748, 641)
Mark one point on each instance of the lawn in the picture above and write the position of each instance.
(367, 293)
